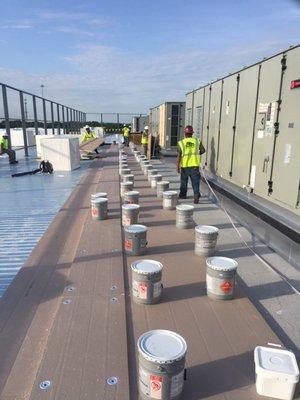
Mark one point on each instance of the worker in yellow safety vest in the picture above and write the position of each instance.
(126, 134)
(144, 140)
(4, 149)
(88, 134)
(188, 163)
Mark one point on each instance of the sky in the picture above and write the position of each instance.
(128, 56)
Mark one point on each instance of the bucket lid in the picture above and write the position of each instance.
(130, 206)
(99, 200)
(126, 183)
(163, 183)
(135, 228)
(206, 229)
(132, 193)
(221, 263)
(170, 193)
(99, 194)
(153, 171)
(162, 346)
(146, 267)
(277, 362)
(185, 207)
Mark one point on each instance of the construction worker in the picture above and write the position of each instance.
(88, 134)
(5, 150)
(188, 163)
(126, 134)
(144, 139)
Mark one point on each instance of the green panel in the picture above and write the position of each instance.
(189, 108)
(226, 126)
(214, 118)
(244, 125)
(287, 152)
(206, 113)
(198, 112)
(265, 118)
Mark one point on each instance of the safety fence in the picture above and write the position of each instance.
(21, 109)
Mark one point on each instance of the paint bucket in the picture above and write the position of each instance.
(126, 187)
(161, 355)
(146, 281)
(130, 214)
(184, 216)
(147, 168)
(98, 194)
(135, 241)
(99, 208)
(125, 171)
(220, 277)
(131, 197)
(161, 187)
(169, 200)
(205, 240)
(151, 172)
(128, 177)
(154, 179)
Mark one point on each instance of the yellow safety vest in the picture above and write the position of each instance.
(144, 139)
(126, 132)
(190, 156)
(88, 135)
(4, 142)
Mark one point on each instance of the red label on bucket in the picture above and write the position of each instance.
(156, 386)
(143, 288)
(226, 287)
(128, 245)
(94, 211)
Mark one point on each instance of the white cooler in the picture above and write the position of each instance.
(276, 371)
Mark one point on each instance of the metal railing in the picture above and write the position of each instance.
(47, 114)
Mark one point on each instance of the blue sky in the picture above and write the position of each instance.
(130, 55)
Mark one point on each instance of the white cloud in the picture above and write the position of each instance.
(107, 79)
(74, 31)
(17, 26)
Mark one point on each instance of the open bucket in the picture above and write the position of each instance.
(161, 355)
(146, 281)
(205, 240)
(220, 277)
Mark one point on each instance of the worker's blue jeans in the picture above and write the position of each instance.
(194, 174)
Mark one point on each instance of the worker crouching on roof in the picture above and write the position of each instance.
(88, 134)
(188, 163)
(4, 149)
(144, 140)
(126, 134)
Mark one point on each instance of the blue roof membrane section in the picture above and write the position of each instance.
(28, 206)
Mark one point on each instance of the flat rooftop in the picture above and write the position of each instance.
(68, 316)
